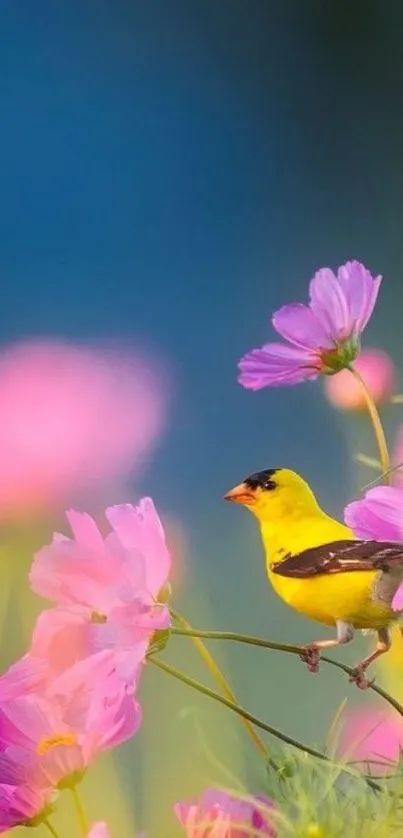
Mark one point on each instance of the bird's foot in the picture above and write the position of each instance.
(311, 656)
(359, 678)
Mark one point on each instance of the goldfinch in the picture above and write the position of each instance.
(318, 567)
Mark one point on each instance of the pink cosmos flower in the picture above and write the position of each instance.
(323, 337)
(376, 368)
(71, 418)
(20, 801)
(42, 675)
(379, 516)
(55, 740)
(107, 590)
(218, 814)
(371, 735)
(23, 676)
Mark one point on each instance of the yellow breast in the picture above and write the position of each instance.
(340, 596)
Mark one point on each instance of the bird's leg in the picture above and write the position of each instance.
(311, 653)
(383, 645)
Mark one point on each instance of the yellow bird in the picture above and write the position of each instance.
(318, 567)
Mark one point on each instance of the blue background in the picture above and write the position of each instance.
(171, 173)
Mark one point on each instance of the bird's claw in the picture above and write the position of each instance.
(359, 678)
(311, 656)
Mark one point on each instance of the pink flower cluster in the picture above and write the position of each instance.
(73, 694)
(218, 814)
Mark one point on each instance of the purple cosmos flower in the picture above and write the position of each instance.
(222, 815)
(379, 516)
(22, 801)
(322, 337)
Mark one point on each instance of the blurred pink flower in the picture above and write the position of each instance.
(72, 417)
(57, 739)
(107, 590)
(218, 814)
(378, 371)
(371, 735)
(321, 338)
(99, 830)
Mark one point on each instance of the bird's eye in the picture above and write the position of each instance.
(269, 485)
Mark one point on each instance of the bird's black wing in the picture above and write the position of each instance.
(341, 557)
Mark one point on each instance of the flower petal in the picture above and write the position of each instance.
(329, 304)
(361, 290)
(371, 735)
(220, 814)
(61, 637)
(85, 531)
(141, 533)
(397, 601)
(379, 515)
(22, 677)
(277, 365)
(298, 324)
(68, 573)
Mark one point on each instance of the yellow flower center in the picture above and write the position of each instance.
(97, 617)
(49, 742)
(315, 831)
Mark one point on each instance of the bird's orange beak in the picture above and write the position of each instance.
(241, 494)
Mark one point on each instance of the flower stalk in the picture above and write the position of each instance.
(81, 815)
(281, 647)
(217, 674)
(376, 424)
(53, 832)
(236, 708)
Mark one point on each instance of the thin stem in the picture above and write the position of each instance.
(236, 708)
(219, 678)
(281, 647)
(381, 477)
(50, 828)
(376, 424)
(190, 682)
(82, 817)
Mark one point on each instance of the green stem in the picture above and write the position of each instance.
(218, 677)
(50, 828)
(375, 482)
(306, 749)
(376, 424)
(236, 708)
(281, 647)
(82, 817)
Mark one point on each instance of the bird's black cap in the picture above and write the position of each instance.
(262, 479)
